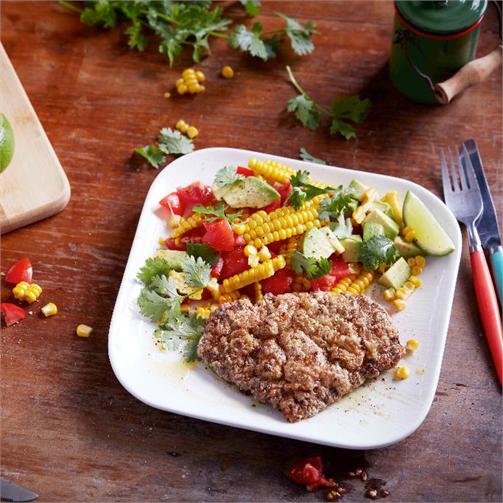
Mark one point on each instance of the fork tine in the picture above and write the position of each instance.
(469, 171)
(446, 182)
(462, 171)
(453, 171)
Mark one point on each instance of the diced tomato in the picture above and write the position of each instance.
(206, 294)
(195, 193)
(324, 284)
(219, 235)
(170, 244)
(276, 246)
(12, 313)
(172, 203)
(284, 190)
(273, 206)
(309, 472)
(340, 269)
(216, 270)
(279, 283)
(240, 170)
(235, 262)
(20, 271)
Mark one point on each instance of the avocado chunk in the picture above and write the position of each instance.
(391, 228)
(352, 246)
(396, 275)
(406, 249)
(174, 258)
(358, 188)
(384, 207)
(251, 192)
(333, 239)
(371, 229)
(316, 244)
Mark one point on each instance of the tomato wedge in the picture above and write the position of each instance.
(20, 271)
(219, 235)
(11, 313)
(240, 170)
(340, 269)
(279, 283)
(235, 262)
(323, 284)
(172, 203)
(195, 193)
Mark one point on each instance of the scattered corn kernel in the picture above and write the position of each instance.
(167, 94)
(402, 372)
(416, 270)
(227, 72)
(200, 76)
(83, 330)
(182, 89)
(264, 254)
(389, 294)
(250, 250)
(411, 261)
(409, 285)
(182, 126)
(203, 312)
(50, 309)
(415, 281)
(409, 236)
(399, 304)
(27, 292)
(253, 260)
(190, 81)
(192, 132)
(412, 345)
(420, 261)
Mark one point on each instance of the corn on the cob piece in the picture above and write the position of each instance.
(262, 271)
(229, 297)
(301, 284)
(361, 283)
(258, 291)
(271, 170)
(187, 224)
(342, 285)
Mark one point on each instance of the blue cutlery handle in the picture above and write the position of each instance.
(496, 258)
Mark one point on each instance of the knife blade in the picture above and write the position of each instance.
(487, 225)
(13, 492)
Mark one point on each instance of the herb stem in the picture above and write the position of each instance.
(167, 18)
(70, 6)
(218, 34)
(298, 87)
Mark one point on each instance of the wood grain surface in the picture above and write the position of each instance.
(69, 430)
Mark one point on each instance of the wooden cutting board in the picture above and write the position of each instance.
(34, 185)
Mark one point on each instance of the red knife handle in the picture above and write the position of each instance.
(488, 308)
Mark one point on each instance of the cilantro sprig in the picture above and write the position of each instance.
(344, 112)
(313, 268)
(306, 156)
(218, 212)
(376, 251)
(303, 191)
(338, 203)
(226, 177)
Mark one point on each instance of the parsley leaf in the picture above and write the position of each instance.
(103, 12)
(377, 250)
(206, 252)
(299, 35)
(158, 308)
(252, 7)
(332, 207)
(306, 156)
(154, 266)
(302, 190)
(164, 286)
(136, 39)
(218, 212)
(342, 228)
(345, 110)
(249, 41)
(152, 154)
(173, 142)
(197, 272)
(311, 267)
(306, 111)
(226, 176)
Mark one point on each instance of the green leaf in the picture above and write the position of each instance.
(309, 266)
(346, 110)
(164, 286)
(252, 7)
(216, 212)
(154, 266)
(197, 272)
(226, 176)
(306, 111)
(102, 12)
(152, 154)
(306, 156)
(299, 35)
(342, 228)
(173, 142)
(376, 251)
(206, 252)
(303, 191)
(136, 39)
(158, 308)
(334, 206)
(249, 41)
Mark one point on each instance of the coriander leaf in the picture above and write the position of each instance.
(154, 266)
(152, 154)
(306, 111)
(303, 191)
(158, 308)
(218, 212)
(311, 267)
(299, 35)
(342, 127)
(249, 41)
(332, 207)
(306, 156)
(252, 7)
(376, 251)
(136, 39)
(173, 142)
(342, 228)
(345, 110)
(206, 252)
(164, 286)
(227, 176)
(197, 272)
(102, 13)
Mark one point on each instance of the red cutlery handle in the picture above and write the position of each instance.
(488, 308)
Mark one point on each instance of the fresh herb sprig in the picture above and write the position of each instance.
(344, 112)
(306, 156)
(338, 203)
(213, 213)
(376, 251)
(303, 191)
(311, 267)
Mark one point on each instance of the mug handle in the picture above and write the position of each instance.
(472, 73)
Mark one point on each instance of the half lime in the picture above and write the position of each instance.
(429, 234)
(6, 142)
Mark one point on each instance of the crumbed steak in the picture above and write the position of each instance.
(300, 352)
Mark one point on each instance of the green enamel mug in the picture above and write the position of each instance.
(434, 46)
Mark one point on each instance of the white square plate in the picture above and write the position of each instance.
(378, 414)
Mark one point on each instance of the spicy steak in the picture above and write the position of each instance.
(300, 352)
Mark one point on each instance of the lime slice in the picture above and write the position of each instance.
(429, 234)
(6, 142)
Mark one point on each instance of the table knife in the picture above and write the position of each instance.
(487, 225)
(13, 492)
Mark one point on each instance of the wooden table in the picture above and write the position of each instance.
(69, 430)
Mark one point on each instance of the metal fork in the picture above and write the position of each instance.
(462, 196)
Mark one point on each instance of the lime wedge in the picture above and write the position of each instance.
(429, 234)
(6, 142)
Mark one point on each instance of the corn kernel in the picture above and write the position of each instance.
(399, 304)
(411, 261)
(179, 82)
(416, 270)
(402, 372)
(192, 132)
(409, 236)
(182, 89)
(188, 72)
(401, 293)
(200, 76)
(253, 261)
(406, 229)
(409, 285)
(389, 294)
(239, 229)
(412, 345)
(264, 253)
(174, 221)
(227, 72)
(194, 88)
(167, 94)
(182, 126)
(50, 309)
(415, 281)
(420, 261)
(83, 330)
(250, 250)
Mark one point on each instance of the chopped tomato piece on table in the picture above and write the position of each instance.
(279, 283)
(309, 472)
(12, 313)
(235, 262)
(219, 235)
(172, 203)
(22, 270)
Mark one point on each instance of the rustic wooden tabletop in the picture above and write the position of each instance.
(69, 430)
